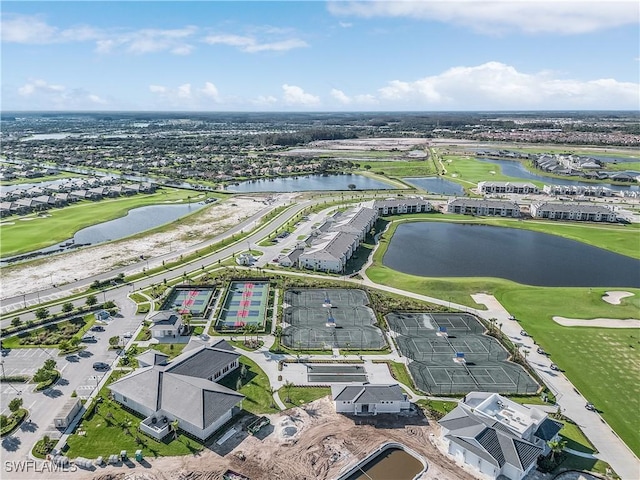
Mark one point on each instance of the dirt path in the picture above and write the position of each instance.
(60, 269)
(598, 322)
(310, 443)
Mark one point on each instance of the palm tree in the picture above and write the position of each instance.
(556, 447)
(492, 324)
(287, 387)
(174, 428)
(272, 392)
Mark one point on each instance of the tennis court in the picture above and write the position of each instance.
(189, 300)
(245, 304)
(451, 355)
(320, 319)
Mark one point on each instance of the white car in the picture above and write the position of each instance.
(127, 335)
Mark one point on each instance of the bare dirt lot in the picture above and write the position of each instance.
(60, 269)
(309, 443)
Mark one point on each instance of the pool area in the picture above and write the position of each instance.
(189, 300)
(245, 304)
(389, 461)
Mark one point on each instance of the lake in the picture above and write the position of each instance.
(136, 221)
(516, 169)
(436, 185)
(435, 249)
(303, 183)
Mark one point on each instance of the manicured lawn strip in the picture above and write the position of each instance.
(420, 168)
(437, 408)
(602, 363)
(171, 349)
(401, 374)
(634, 166)
(26, 236)
(576, 440)
(303, 395)
(255, 387)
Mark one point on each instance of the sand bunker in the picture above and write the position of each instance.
(598, 322)
(614, 297)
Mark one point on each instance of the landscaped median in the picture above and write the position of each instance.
(13, 421)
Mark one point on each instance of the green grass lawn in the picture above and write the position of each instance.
(62, 223)
(303, 395)
(576, 440)
(471, 170)
(171, 349)
(403, 168)
(401, 374)
(255, 387)
(111, 429)
(601, 363)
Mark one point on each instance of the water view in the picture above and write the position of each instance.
(517, 170)
(392, 463)
(436, 185)
(433, 249)
(136, 221)
(310, 183)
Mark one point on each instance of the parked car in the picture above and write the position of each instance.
(127, 335)
(97, 328)
(100, 366)
(523, 333)
(541, 351)
(89, 338)
(553, 366)
(590, 406)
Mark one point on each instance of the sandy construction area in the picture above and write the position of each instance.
(312, 443)
(60, 269)
(384, 144)
(614, 297)
(598, 322)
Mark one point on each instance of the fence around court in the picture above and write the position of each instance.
(320, 319)
(451, 355)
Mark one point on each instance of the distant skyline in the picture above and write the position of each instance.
(321, 56)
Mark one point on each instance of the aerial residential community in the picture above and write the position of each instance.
(296, 241)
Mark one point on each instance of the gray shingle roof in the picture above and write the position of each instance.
(201, 362)
(153, 357)
(164, 317)
(141, 386)
(367, 393)
(488, 439)
(196, 400)
(548, 429)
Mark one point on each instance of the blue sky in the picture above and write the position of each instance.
(321, 56)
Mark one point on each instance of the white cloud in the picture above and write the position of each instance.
(28, 29)
(251, 44)
(296, 96)
(499, 16)
(345, 24)
(340, 96)
(157, 89)
(35, 87)
(211, 91)
(494, 86)
(265, 100)
(42, 95)
(184, 91)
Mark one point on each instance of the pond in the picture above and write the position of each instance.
(136, 221)
(390, 463)
(303, 183)
(516, 169)
(436, 185)
(435, 249)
